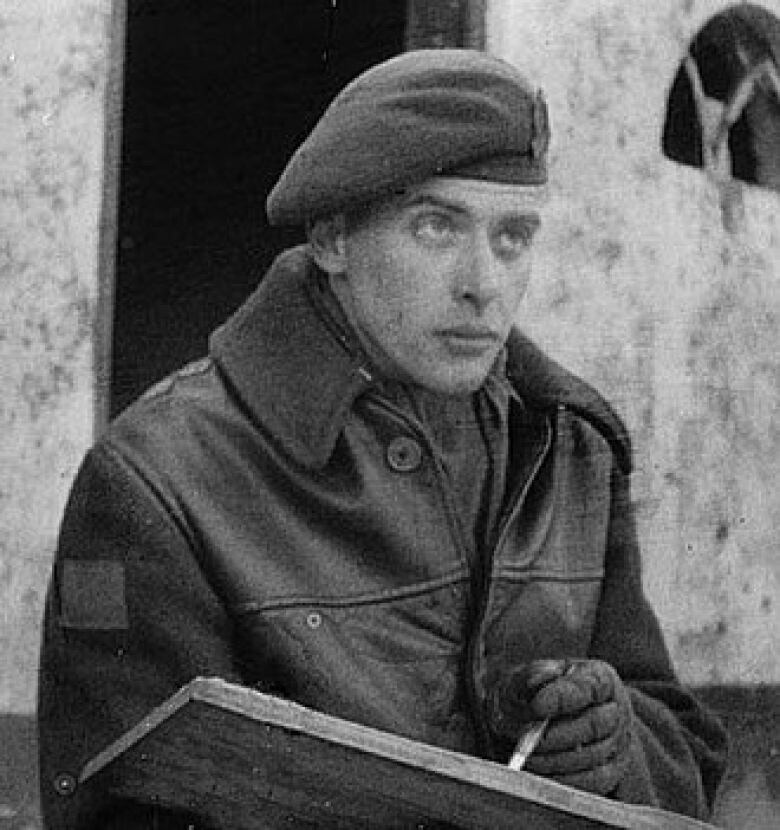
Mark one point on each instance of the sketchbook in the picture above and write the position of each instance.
(245, 760)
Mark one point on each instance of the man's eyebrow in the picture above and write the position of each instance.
(527, 214)
(430, 200)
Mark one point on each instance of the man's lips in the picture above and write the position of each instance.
(469, 340)
(470, 333)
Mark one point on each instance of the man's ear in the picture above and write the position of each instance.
(327, 240)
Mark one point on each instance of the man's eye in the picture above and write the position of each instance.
(434, 227)
(515, 238)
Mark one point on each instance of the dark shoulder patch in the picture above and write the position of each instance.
(92, 595)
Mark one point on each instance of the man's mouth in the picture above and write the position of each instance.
(469, 339)
(470, 332)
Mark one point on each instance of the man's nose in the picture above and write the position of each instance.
(480, 275)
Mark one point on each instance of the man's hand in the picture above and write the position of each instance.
(586, 743)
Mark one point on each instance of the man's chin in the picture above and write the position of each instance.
(454, 383)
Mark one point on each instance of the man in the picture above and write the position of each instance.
(375, 497)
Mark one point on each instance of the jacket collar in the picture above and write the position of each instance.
(298, 375)
(292, 371)
(543, 383)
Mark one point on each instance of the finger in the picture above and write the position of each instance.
(541, 672)
(563, 696)
(593, 725)
(523, 681)
(583, 685)
(577, 759)
(509, 706)
(601, 677)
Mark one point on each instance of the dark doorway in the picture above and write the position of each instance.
(216, 97)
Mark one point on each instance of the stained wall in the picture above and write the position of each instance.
(640, 287)
(669, 304)
(53, 73)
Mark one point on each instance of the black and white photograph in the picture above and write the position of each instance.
(390, 416)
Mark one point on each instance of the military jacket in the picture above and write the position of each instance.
(267, 516)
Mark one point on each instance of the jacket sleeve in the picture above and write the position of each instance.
(678, 748)
(130, 618)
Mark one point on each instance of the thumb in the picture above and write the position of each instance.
(512, 695)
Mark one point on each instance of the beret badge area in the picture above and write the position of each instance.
(540, 126)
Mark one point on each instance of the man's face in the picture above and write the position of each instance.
(431, 280)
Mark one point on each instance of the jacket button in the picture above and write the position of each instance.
(65, 784)
(404, 454)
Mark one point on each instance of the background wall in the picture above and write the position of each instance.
(644, 285)
(53, 73)
(641, 287)
(661, 285)
(53, 81)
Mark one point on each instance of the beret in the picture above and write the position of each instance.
(423, 113)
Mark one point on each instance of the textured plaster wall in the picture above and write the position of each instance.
(52, 81)
(641, 289)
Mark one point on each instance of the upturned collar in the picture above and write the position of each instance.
(298, 375)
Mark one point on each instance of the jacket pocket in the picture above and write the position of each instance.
(395, 663)
(547, 577)
(560, 531)
(405, 629)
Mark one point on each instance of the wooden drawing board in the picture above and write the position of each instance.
(244, 760)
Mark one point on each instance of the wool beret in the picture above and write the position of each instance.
(423, 113)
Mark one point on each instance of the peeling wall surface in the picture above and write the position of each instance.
(52, 73)
(669, 304)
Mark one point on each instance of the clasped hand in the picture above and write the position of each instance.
(586, 742)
